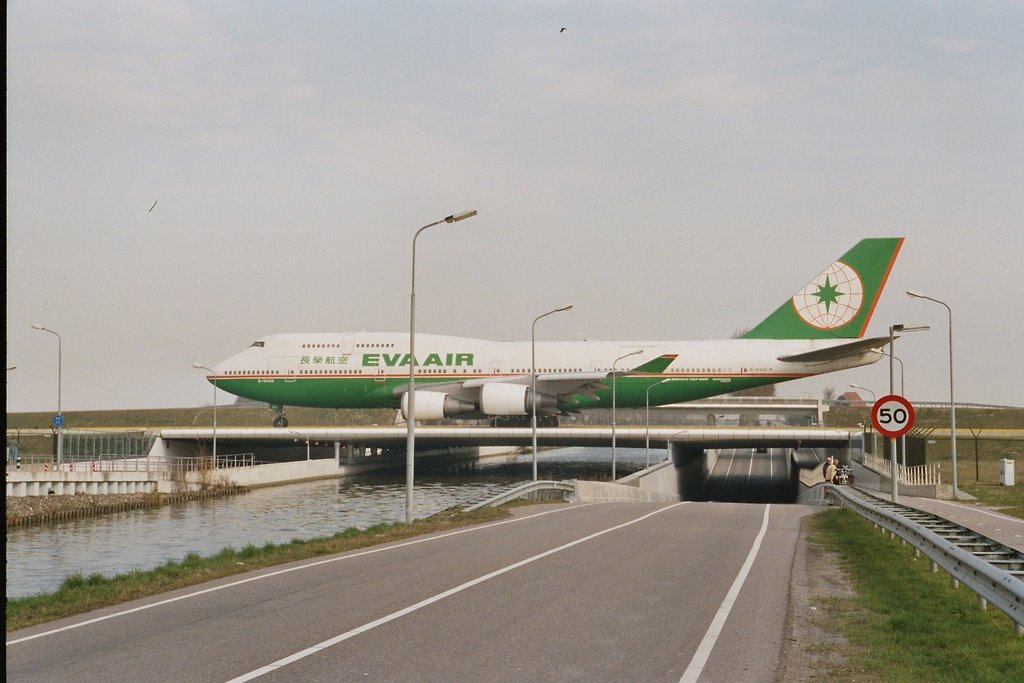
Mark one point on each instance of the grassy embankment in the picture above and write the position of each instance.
(231, 415)
(905, 623)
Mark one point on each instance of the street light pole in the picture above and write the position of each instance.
(410, 411)
(893, 329)
(533, 379)
(60, 421)
(647, 415)
(903, 393)
(200, 366)
(614, 373)
(874, 443)
(952, 404)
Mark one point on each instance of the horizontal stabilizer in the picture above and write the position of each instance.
(655, 366)
(831, 353)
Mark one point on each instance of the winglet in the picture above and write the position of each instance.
(840, 301)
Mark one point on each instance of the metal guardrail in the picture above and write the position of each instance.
(523, 491)
(992, 585)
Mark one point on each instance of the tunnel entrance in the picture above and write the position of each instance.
(742, 475)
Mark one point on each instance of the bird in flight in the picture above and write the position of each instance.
(152, 207)
(563, 30)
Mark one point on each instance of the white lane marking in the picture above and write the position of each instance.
(700, 657)
(302, 654)
(268, 575)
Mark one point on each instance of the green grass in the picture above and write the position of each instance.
(78, 593)
(1008, 500)
(907, 624)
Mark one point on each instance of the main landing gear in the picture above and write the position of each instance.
(280, 421)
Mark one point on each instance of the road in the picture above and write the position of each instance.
(744, 475)
(624, 592)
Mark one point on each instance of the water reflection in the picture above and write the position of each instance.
(39, 557)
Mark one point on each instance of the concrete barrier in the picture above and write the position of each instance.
(39, 482)
(608, 492)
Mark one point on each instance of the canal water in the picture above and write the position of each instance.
(39, 557)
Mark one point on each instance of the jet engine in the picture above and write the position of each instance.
(511, 399)
(434, 405)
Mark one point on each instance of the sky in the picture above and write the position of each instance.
(185, 177)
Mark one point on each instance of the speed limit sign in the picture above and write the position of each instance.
(892, 415)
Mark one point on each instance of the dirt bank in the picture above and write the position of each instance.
(22, 510)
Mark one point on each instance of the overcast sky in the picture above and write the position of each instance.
(676, 170)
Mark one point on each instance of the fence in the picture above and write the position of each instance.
(924, 475)
(118, 463)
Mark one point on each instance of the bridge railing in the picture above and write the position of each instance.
(914, 475)
(111, 462)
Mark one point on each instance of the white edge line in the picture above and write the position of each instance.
(972, 508)
(700, 657)
(302, 654)
(348, 555)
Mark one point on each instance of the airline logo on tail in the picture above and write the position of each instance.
(839, 302)
(832, 299)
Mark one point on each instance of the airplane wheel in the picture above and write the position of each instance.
(280, 421)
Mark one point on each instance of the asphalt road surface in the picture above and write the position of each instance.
(607, 592)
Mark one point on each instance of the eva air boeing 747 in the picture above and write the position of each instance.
(818, 330)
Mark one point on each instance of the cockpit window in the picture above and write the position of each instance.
(258, 343)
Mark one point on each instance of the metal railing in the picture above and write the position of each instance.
(923, 475)
(110, 462)
(992, 585)
(526, 490)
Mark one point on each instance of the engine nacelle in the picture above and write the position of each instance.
(511, 399)
(434, 405)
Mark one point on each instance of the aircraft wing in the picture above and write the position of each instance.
(853, 348)
(554, 383)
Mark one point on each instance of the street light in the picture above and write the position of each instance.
(952, 405)
(893, 329)
(200, 366)
(533, 378)
(631, 353)
(410, 411)
(903, 393)
(648, 419)
(59, 418)
(874, 443)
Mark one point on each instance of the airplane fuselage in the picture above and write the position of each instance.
(372, 369)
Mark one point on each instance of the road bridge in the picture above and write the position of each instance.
(431, 437)
(780, 452)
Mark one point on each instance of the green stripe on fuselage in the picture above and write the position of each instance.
(366, 392)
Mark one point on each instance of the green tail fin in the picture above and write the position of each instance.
(839, 302)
